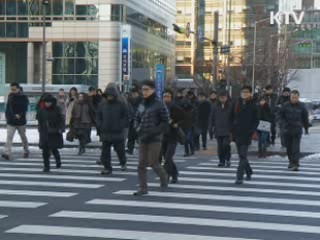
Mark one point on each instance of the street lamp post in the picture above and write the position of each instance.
(254, 51)
(44, 45)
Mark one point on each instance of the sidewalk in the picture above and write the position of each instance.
(310, 144)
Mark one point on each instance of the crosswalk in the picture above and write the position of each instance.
(204, 205)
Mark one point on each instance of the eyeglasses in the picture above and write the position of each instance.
(146, 89)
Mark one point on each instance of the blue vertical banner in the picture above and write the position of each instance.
(160, 79)
(126, 58)
(2, 80)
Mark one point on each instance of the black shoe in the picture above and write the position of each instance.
(26, 154)
(106, 172)
(98, 162)
(129, 152)
(164, 188)
(58, 165)
(248, 178)
(124, 168)
(82, 150)
(290, 165)
(294, 168)
(221, 165)
(5, 156)
(186, 155)
(174, 180)
(239, 182)
(204, 148)
(46, 170)
(228, 163)
(140, 193)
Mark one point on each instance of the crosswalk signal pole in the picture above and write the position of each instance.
(44, 45)
(216, 48)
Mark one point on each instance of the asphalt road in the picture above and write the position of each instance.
(77, 203)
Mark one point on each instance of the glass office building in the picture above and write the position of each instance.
(240, 27)
(85, 40)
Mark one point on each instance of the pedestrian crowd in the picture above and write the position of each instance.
(160, 125)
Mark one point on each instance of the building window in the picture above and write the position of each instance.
(75, 63)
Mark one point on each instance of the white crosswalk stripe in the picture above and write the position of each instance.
(204, 205)
(23, 178)
(110, 233)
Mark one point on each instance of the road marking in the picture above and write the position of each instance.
(273, 162)
(239, 189)
(88, 159)
(3, 216)
(86, 172)
(37, 193)
(258, 170)
(282, 201)
(51, 184)
(65, 165)
(110, 233)
(296, 178)
(78, 178)
(21, 204)
(260, 166)
(282, 184)
(192, 221)
(205, 208)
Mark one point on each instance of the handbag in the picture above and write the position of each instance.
(264, 126)
(70, 136)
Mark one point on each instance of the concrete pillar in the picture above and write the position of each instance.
(30, 63)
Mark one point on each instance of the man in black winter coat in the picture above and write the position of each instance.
(171, 136)
(213, 101)
(245, 123)
(204, 111)
(151, 122)
(16, 116)
(112, 119)
(134, 101)
(222, 122)
(272, 99)
(294, 117)
(283, 99)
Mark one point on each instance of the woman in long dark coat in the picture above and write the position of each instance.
(83, 117)
(50, 126)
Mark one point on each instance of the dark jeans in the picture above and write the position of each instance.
(132, 137)
(244, 165)
(293, 148)
(262, 141)
(106, 153)
(224, 149)
(167, 151)
(283, 138)
(204, 137)
(273, 131)
(188, 146)
(46, 153)
(211, 132)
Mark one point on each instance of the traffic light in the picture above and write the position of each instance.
(178, 29)
(225, 49)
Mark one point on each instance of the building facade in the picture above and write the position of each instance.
(85, 40)
(236, 27)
